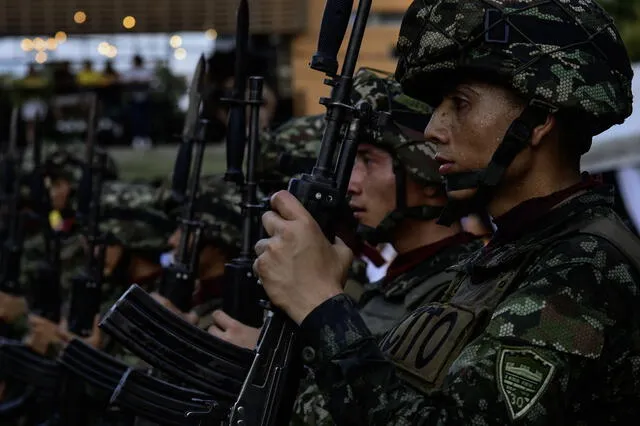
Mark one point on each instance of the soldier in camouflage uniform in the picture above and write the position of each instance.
(136, 234)
(541, 326)
(397, 195)
(218, 205)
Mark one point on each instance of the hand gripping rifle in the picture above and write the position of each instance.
(165, 340)
(268, 392)
(241, 286)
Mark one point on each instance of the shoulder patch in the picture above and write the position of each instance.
(523, 376)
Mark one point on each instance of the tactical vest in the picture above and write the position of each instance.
(425, 344)
(382, 310)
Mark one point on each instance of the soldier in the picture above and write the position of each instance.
(135, 237)
(396, 194)
(539, 327)
(218, 206)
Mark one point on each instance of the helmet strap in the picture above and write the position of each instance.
(517, 137)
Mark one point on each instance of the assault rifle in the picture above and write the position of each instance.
(160, 337)
(272, 374)
(107, 380)
(86, 286)
(270, 388)
(157, 335)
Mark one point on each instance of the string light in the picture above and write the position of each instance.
(180, 54)
(26, 45)
(175, 41)
(129, 22)
(41, 57)
(61, 37)
(211, 34)
(80, 17)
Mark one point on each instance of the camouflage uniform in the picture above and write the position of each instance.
(541, 326)
(415, 278)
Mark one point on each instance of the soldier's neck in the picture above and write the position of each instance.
(212, 271)
(142, 268)
(413, 234)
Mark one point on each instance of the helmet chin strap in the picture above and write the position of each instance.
(383, 233)
(517, 137)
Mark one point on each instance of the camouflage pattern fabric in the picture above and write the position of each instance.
(66, 161)
(384, 93)
(219, 205)
(561, 347)
(298, 140)
(381, 306)
(567, 53)
(132, 196)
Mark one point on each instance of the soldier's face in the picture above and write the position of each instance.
(59, 190)
(372, 186)
(468, 126)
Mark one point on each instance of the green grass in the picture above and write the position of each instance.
(158, 162)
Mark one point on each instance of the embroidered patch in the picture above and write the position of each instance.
(523, 376)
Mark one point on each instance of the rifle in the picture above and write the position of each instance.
(11, 254)
(268, 392)
(38, 373)
(86, 286)
(113, 382)
(179, 279)
(158, 336)
(241, 296)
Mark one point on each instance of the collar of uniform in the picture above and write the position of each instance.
(517, 221)
(593, 203)
(425, 255)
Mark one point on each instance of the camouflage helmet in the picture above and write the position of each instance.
(136, 228)
(565, 53)
(131, 195)
(291, 149)
(67, 163)
(219, 205)
(295, 145)
(403, 137)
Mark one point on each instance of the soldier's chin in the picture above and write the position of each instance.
(462, 194)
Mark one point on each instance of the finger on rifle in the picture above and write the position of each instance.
(222, 320)
(288, 206)
(261, 246)
(215, 331)
(272, 223)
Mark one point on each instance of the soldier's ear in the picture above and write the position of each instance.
(541, 132)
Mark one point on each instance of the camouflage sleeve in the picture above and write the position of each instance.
(527, 365)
